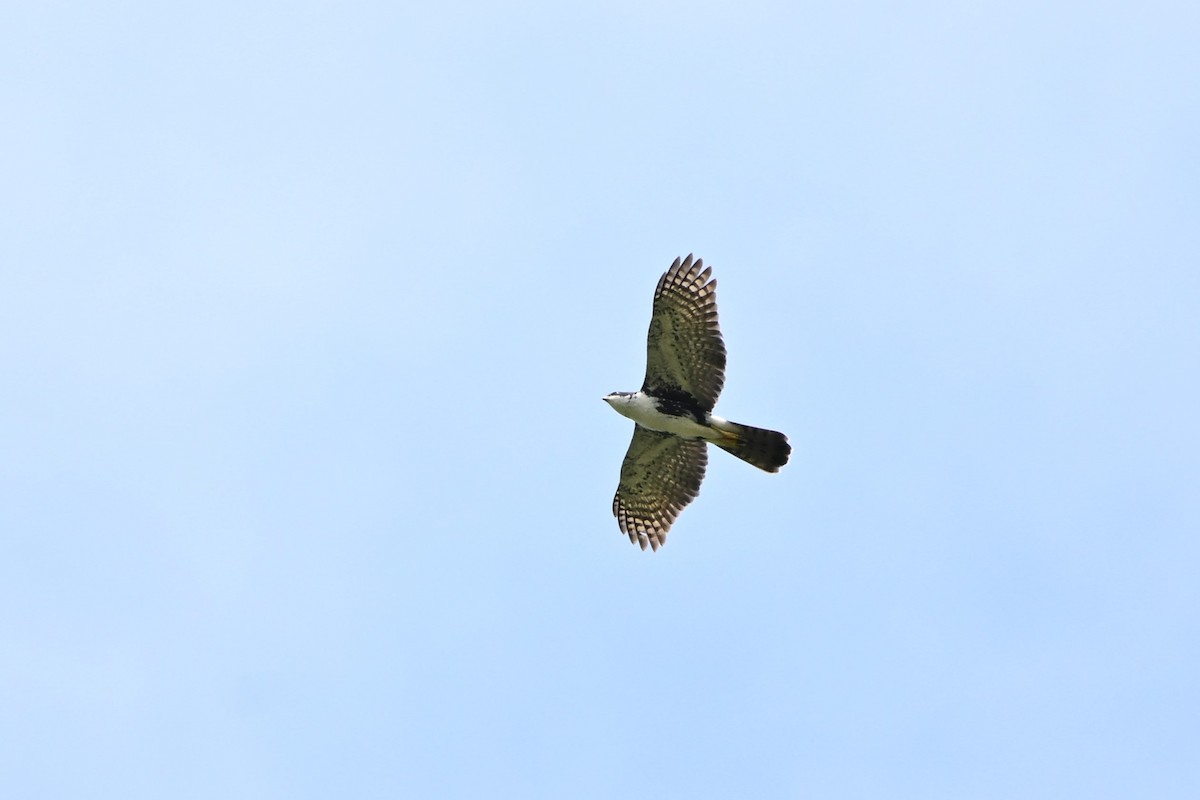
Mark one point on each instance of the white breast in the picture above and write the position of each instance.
(642, 410)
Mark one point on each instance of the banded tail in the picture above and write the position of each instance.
(767, 450)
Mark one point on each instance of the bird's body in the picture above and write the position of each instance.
(659, 414)
(685, 372)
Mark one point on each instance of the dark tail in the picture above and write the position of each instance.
(767, 450)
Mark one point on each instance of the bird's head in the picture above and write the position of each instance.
(621, 402)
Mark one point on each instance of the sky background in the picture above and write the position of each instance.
(307, 310)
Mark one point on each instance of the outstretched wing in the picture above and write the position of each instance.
(684, 350)
(660, 475)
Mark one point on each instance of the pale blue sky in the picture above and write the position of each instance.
(306, 311)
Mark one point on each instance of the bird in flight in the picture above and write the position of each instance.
(685, 371)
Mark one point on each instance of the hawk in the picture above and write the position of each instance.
(685, 371)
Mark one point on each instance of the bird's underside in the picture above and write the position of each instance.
(685, 372)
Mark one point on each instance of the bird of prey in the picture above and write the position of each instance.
(685, 371)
